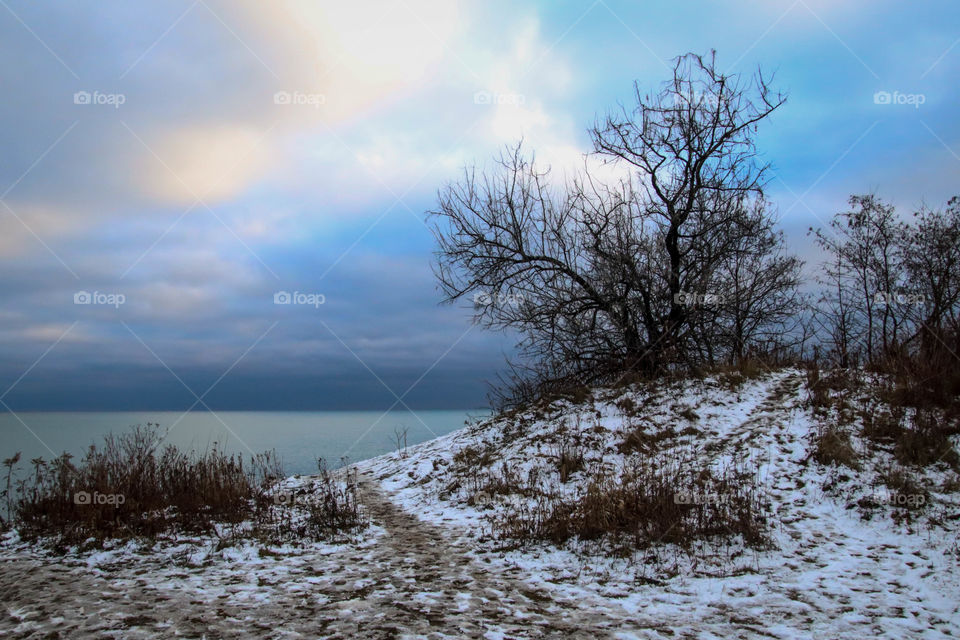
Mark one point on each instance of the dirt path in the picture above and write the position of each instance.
(467, 598)
(758, 422)
(413, 581)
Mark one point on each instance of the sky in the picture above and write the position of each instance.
(171, 170)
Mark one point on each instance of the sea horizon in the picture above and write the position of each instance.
(299, 437)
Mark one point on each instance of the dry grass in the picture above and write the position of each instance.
(131, 487)
(832, 445)
(502, 482)
(922, 382)
(895, 426)
(658, 500)
(833, 389)
(627, 406)
(641, 440)
(927, 441)
(915, 415)
(578, 395)
(883, 426)
(903, 484)
(473, 456)
(570, 458)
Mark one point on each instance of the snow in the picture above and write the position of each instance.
(831, 574)
(432, 562)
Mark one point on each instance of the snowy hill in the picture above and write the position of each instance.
(830, 571)
(837, 559)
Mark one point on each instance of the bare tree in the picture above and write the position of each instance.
(892, 286)
(761, 305)
(692, 146)
(603, 278)
(931, 261)
(866, 245)
(835, 315)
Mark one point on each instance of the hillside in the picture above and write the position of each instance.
(452, 548)
(843, 560)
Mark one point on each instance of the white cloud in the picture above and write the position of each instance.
(209, 162)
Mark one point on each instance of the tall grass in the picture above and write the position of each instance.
(132, 486)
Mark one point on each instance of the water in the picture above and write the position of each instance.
(299, 438)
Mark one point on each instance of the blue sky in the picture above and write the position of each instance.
(199, 157)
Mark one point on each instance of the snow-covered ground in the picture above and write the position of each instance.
(830, 574)
(433, 565)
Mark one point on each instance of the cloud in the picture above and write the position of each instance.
(22, 224)
(212, 163)
(382, 103)
(355, 54)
